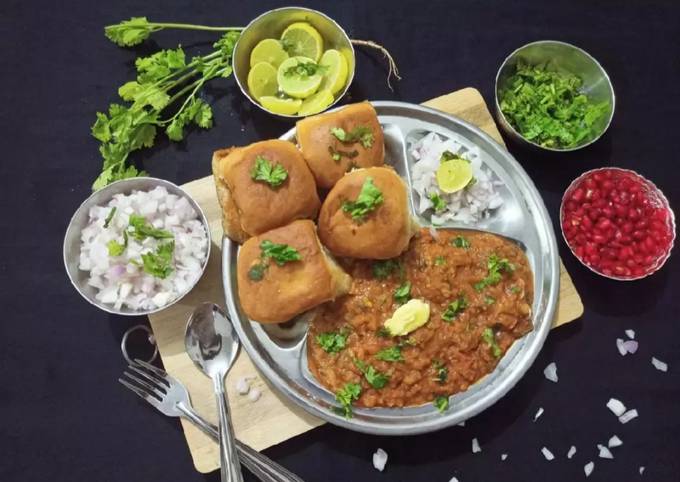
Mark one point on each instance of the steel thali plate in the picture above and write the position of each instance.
(280, 352)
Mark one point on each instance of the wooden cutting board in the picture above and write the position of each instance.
(273, 419)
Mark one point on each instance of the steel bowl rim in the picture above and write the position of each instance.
(662, 260)
(506, 124)
(498, 392)
(84, 205)
(244, 90)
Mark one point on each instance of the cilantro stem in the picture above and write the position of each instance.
(196, 85)
(188, 26)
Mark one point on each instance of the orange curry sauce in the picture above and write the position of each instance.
(439, 273)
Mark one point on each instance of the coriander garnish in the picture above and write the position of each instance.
(140, 229)
(439, 261)
(383, 269)
(450, 156)
(115, 248)
(455, 308)
(256, 271)
(369, 199)
(490, 338)
(403, 293)
(109, 217)
(496, 267)
(159, 263)
(438, 204)
(374, 378)
(337, 154)
(305, 69)
(489, 300)
(332, 342)
(460, 242)
(346, 396)
(361, 134)
(391, 354)
(442, 403)
(441, 371)
(280, 253)
(268, 172)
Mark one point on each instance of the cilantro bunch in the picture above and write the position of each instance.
(165, 96)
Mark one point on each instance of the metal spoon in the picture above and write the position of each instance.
(212, 344)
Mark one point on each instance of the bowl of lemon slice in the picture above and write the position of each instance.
(293, 62)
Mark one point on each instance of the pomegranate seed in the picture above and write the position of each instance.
(579, 251)
(638, 235)
(578, 195)
(590, 183)
(598, 177)
(631, 263)
(571, 205)
(627, 228)
(608, 212)
(607, 271)
(604, 223)
(586, 223)
(638, 271)
(660, 214)
(634, 214)
(641, 224)
(621, 210)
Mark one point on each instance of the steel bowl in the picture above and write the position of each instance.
(81, 218)
(560, 56)
(655, 192)
(271, 24)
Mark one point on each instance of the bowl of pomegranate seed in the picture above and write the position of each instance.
(617, 223)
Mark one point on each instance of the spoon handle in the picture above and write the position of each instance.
(229, 464)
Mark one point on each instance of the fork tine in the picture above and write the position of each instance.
(141, 393)
(150, 389)
(152, 377)
(150, 367)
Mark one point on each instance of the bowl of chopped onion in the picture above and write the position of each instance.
(136, 246)
(553, 96)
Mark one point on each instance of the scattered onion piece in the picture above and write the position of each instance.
(550, 372)
(628, 416)
(538, 413)
(453, 479)
(614, 442)
(630, 346)
(571, 452)
(620, 347)
(504, 456)
(379, 459)
(605, 453)
(588, 468)
(616, 406)
(641, 469)
(242, 385)
(659, 365)
(630, 334)
(475, 446)
(547, 454)
(254, 395)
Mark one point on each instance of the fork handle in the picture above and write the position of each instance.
(259, 464)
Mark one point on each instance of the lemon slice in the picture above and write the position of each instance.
(281, 106)
(454, 175)
(300, 39)
(295, 84)
(262, 80)
(268, 50)
(335, 77)
(316, 103)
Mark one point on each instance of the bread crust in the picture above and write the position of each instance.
(314, 138)
(384, 233)
(298, 286)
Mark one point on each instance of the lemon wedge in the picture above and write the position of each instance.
(281, 106)
(408, 317)
(335, 77)
(454, 175)
(268, 50)
(262, 80)
(300, 39)
(295, 84)
(316, 103)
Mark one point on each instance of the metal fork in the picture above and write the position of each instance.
(171, 398)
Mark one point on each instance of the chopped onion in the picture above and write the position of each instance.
(615, 442)
(630, 346)
(538, 413)
(504, 456)
(242, 385)
(379, 459)
(550, 372)
(641, 469)
(453, 479)
(616, 406)
(659, 365)
(547, 454)
(254, 395)
(475, 446)
(620, 347)
(628, 416)
(630, 334)
(571, 452)
(605, 453)
(588, 468)
(434, 233)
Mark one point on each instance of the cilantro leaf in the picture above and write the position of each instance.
(332, 342)
(370, 197)
(438, 204)
(280, 253)
(441, 371)
(489, 300)
(460, 242)
(346, 396)
(403, 293)
(374, 378)
(305, 69)
(490, 338)
(268, 172)
(441, 403)
(450, 156)
(130, 32)
(383, 269)
(158, 66)
(256, 271)
(495, 267)
(159, 263)
(115, 248)
(139, 228)
(110, 216)
(391, 354)
(361, 134)
(439, 261)
(455, 308)
(337, 154)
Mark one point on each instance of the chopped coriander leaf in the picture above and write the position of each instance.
(256, 271)
(305, 69)
(496, 267)
(383, 269)
(438, 204)
(403, 293)
(268, 172)
(406, 342)
(442, 403)
(280, 253)
(115, 248)
(369, 199)
(361, 134)
(374, 378)
(391, 354)
(383, 332)
(140, 229)
(109, 217)
(439, 261)
(337, 154)
(455, 308)
(515, 289)
(332, 342)
(442, 373)
(159, 263)
(346, 396)
(490, 338)
(460, 242)
(489, 300)
(450, 156)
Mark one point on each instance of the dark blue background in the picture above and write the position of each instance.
(63, 415)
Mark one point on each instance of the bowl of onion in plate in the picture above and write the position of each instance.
(617, 223)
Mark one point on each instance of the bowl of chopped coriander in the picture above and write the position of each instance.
(553, 96)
